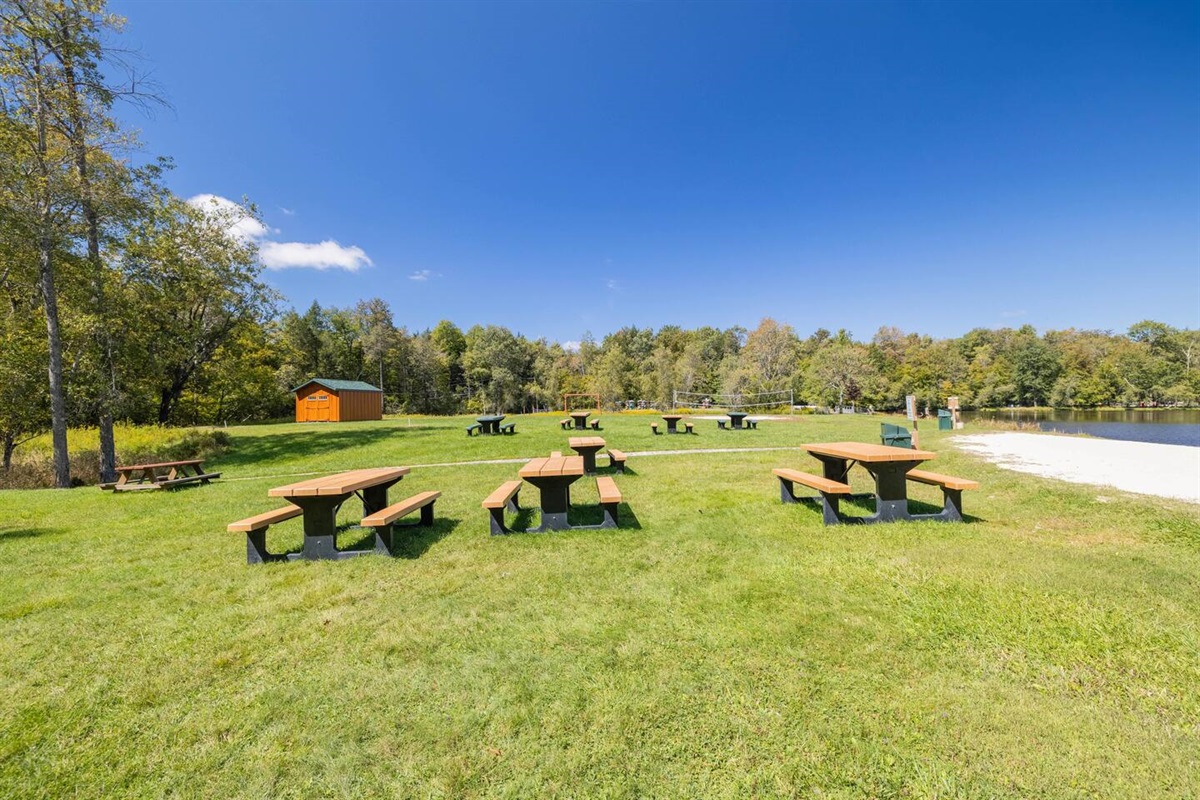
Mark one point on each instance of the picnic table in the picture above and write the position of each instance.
(490, 423)
(889, 466)
(735, 418)
(164, 474)
(587, 447)
(672, 421)
(320, 499)
(553, 477)
(580, 418)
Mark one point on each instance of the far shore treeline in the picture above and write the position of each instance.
(121, 302)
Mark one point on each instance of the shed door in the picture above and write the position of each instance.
(318, 408)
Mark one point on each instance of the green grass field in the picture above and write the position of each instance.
(721, 645)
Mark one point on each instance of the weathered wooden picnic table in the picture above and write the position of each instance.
(320, 499)
(490, 423)
(580, 418)
(889, 466)
(587, 447)
(164, 474)
(553, 477)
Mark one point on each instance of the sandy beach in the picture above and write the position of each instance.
(1163, 470)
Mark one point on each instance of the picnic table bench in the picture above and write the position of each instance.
(318, 501)
(890, 467)
(505, 498)
(610, 501)
(162, 475)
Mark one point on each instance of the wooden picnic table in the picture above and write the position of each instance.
(490, 423)
(889, 466)
(587, 447)
(580, 418)
(553, 477)
(735, 418)
(164, 474)
(320, 499)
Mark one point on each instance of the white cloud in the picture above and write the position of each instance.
(421, 275)
(243, 226)
(300, 255)
(612, 284)
(287, 212)
(284, 255)
(571, 346)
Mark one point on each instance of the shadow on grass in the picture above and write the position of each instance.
(413, 541)
(863, 506)
(7, 534)
(588, 515)
(297, 444)
(408, 540)
(579, 516)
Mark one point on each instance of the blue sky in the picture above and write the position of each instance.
(566, 167)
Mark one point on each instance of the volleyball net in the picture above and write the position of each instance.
(780, 401)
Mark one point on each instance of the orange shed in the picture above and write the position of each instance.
(324, 400)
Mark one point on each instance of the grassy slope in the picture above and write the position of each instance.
(725, 645)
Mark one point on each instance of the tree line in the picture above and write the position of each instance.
(121, 301)
(446, 370)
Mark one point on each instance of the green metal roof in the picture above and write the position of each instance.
(337, 386)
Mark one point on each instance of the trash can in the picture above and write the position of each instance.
(945, 420)
(895, 436)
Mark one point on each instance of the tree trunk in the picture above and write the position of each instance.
(165, 403)
(103, 335)
(45, 247)
(170, 395)
(58, 404)
(10, 444)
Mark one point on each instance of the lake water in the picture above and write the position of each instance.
(1164, 426)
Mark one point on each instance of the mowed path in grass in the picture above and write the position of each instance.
(722, 645)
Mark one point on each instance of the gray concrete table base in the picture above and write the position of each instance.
(891, 493)
(555, 501)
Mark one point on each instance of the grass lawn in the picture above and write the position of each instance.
(721, 645)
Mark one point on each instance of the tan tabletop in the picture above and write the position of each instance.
(672, 416)
(553, 467)
(341, 483)
(584, 414)
(867, 453)
(576, 442)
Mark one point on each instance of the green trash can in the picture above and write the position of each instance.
(895, 436)
(945, 420)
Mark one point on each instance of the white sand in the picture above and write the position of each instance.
(1164, 470)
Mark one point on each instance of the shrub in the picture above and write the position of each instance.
(33, 465)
